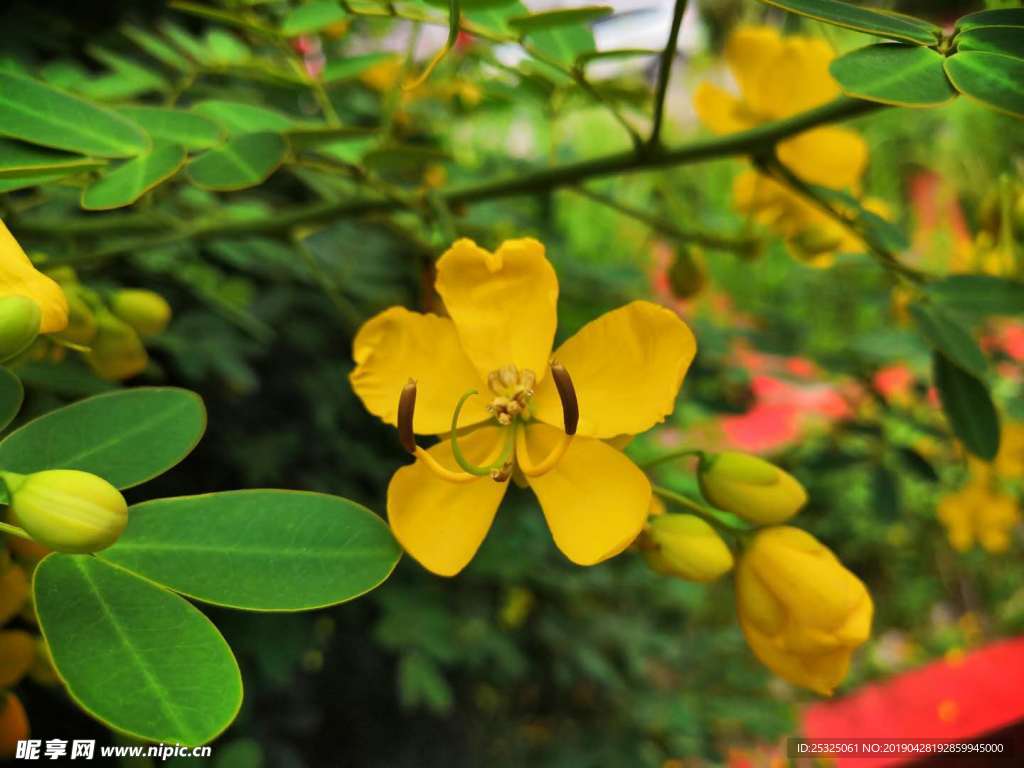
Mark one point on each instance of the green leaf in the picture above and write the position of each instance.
(133, 655)
(226, 48)
(918, 464)
(350, 67)
(613, 55)
(11, 183)
(134, 178)
(240, 118)
(567, 17)
(870, 20)
(259, 550)
(968, 407)
(474, 6)
(1008, 41)
(128, 436)
(39, 114)
(996, 81)
(126, 80)
(244, 161)
(157, 48)
(11, 396)
(175, 126)
(885, 493)
(945, 334)
(18, 160)
(996, 17)
(312, 17)
(979, 295)
(893, 73)
(564, 44)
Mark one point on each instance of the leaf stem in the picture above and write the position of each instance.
(702, 511)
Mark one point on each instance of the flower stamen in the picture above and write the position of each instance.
(570, 420)
(406, 411)
(494, 470)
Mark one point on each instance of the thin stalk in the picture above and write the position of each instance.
(671, 456)
(665, 72)
(14, 530)
(706, 513)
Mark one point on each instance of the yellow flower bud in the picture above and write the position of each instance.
(20, 319)
(81, 328)
(146, 311)
(67, 510)
(802, 612)
(687, 547)
(750, 487)
(117, 352)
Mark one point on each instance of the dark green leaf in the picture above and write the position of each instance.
(131, 180)
(175, 126)
(869, 20)
(312, 17)
(996, 17)
(968, 407)
(893, 73)
(262, 550)
(127, 436)
(918, 464)
(19, 160)
(885, 493)
(36, 113)
(11, 395)
(133, 655)
(244, 161)
(979, 295)
(995, 80)
(567, 17)
(945, 334)
(1008, 41)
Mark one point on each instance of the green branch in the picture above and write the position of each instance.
(665, 72)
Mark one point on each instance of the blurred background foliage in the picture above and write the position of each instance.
(525, 659)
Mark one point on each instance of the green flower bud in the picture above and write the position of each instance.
(145, 311)
(20, 319)
(67, 510)
(117, 352)
(687, 547)
(750, 487)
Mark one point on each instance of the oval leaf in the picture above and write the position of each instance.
(262, 550)
(968, 407)
(996, 81)
(312, 17)
(892, 73)
(948, 336)
(869, 20)
(1008, 41)
(130, 181)
(979, 295)
(560, 18)
(127, 437)
(176, 126)
(11, 396)
(996, 17)
(133, 655)
(39, 114)
(244, 161)
(240, 118)
(18, 160)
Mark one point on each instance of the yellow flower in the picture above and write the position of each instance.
(146, 311)
(117, 352)
(625, 367)
(1009, 462)
(978, 513)
(777, 78)
(802, 612)
(19, 278)
(750, 487)
(687, 547)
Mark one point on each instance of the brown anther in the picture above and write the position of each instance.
(567, 394)
(406, 409)
(503, 473)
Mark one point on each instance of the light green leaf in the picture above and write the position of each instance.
(133, 655)
(127, 78)
(869, 20)
(560, 18)
(1008, 41)
(36, 113)
(312, 17)
(979, 295)
(133, 178)
(564, 44)
(11, 183)
(157, 48)
(19, 160)
(128, 436)
(240, 118)
(260, 550)
(11, 396)
(944, 333)
(968, 407)
(244, 161)
(893, 73)
(996, 81)
(184, 41)
(350, 67)
(175, 126)
(475, 5)
(226, 48)
(995, 17)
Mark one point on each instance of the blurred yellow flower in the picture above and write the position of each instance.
(626, 368)
(117, 352)
(802, 612)
(1009, 462)
(978, 513)
(19, 278)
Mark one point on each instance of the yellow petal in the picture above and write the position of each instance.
(503, 303)
(439, 523)
(718, 109)
(827, 156)
(627, 367)
(595, 499)
(750, 52)
(19, 278)
(797, 78)
(397, 345)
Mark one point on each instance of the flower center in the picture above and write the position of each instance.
(513, 390)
